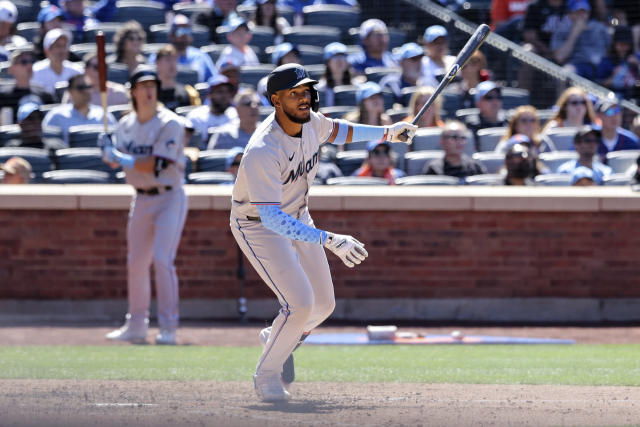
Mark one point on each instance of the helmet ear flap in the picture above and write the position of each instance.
(315, 99)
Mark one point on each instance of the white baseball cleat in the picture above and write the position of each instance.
(288, 369)
(269, 388)
(166, 337)
(127, 333)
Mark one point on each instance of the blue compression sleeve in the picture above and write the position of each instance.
(285, 225)
(126, 160)
(346, 132)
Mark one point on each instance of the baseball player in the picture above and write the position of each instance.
(149, 145)
(270, 218)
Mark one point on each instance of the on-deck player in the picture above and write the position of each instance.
(270, 218)
(149, 145)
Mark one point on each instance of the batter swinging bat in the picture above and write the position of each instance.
(472, 45)
(102, 76)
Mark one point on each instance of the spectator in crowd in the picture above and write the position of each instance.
(507, 16)
(30, 122)
(76, 16)
(488, 99)
(327, 167)
(374, 38)
(579, 42)
(116, 93)
(218, 112)
(56, 68)
(454, 162)
(540, 21)
(520, 164)
(239, 36)
(231, 70)
(379, 163)
(218, 16)
(436, 63)
(370, 106)
(8, 36)
(431, 116)
(80, 111)
(586, 143)
(180, 37)
(16, 171)
(614, 137)
(297, 6)
(619, 70)
(584, 177)
(266, 15)
(573, 109)
(525, 121)
(627, 13)
(236, 133)
(473, 73)
(129, 40)
(49, 17)
(409, 57)
(173, 94)
(232, 162)
(285, 53)
(337, 72)
(21, 69)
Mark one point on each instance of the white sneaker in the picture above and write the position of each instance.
(269, 388)
(166, 337)
(126, 333)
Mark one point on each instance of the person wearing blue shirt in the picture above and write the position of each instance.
(410, 58)
(374, 38)
(180, 36)
(614, 137)
(586, 144)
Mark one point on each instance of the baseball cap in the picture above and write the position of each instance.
(287, 76)
(372, 145)
(333, 49)
(231, 156)
(218, 80)
(49, 13)
(142, 73)
(8, 12)
(433, 32)
(228, 62)
(607, 107)
(22, 49)
(179, 20)
(484, 88)
(584, 172)
(409, 50)
(53, 35)
(366, 90)
(519, 138)
(585, 130)
(26, 109)
(234, 22)
(370, 25)
(574, 5)
(281, 50)
(17, 166)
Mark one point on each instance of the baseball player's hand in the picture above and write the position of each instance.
(347, 248)
(109, 154)
(401, 132)
(104, 140)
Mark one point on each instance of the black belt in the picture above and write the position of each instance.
(154, 191)
(253, 218)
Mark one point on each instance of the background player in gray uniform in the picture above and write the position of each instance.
(270, 218)
(149, 144)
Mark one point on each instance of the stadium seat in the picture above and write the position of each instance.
(488, 138)
(397, 37)
(375, 74)
(190, 9)
(27, 10)
(514, 97)
(211, 160)
(485, 179)
(209, 178)
(316, 71)
(81, 49)
(397, 114)
(214, 51)
(553, 179)
(262, 37)
(159, 33)
(314, 35)
(81, 158)
(8, 133)
(491, 160)
(37, 157)
(117, 72)
(617, 179)
(118, 110)
(251, 74)
(349, 161)
(562, 137)
(621, 161)
(427, 139)
(428, 180)
(416, 160)
(187, 76)
(464, 112)
(109, 30)
(553, 159)
(183, 111)
(407, 93)
(248, 10)
(28, 30)
(357, 180)
(77, 176)
(450, 101)
(356, 145)
(345, 95)
(146, 12)
(84, 135)
(342, 17)
(265, 110)
(152, 48)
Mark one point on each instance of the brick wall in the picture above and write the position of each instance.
(81, 254)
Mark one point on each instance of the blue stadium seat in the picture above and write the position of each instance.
(621, 161)
(342, 17)
(416, 160)
(491, 160)
(109, 30)
(337, 111)
(8, 133)
(81, 49)
(375, 74)
(485, 179)
(553, 159)
(357, 180)
(211, 160)
(349, 161)
(81, 158)
(514, 97)
(251, 74)
(553, 179)
(117, 72)
(77, 176)
(428, 180)
(345, 95)
(314, 35)
(28, 30)
(146, 12)
(84, 135)
(159, 33)
(562, 137)
(187, 76)
(209, 178)
(190, 9)
(37, 157)
(617, 179)
(488, 138)
(427, 139)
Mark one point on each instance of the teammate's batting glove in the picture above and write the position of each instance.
(347, 248)
(396, 132)
(104, 140)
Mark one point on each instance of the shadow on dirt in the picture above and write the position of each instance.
(306, 407)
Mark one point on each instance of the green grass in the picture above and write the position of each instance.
(487, 364)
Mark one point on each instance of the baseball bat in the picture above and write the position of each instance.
(102, 75)
(476, 40)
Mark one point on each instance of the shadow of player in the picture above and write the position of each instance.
(303, 407)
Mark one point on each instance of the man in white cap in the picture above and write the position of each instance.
(436, 63)
(409, 56)
(8, 18)
(374, 38)
(56, 68)
(219, 111)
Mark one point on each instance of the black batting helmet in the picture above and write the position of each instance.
(288, 76)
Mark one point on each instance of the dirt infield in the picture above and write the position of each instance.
(206, 403)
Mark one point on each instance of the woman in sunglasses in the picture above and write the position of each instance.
(525, 121)
(129, 40)
(574, 109)
(380, 163)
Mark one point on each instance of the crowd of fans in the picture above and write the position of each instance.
(49, 87)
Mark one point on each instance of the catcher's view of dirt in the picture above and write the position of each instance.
(207, 403)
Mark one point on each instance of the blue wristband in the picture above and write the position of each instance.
(125, 160)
